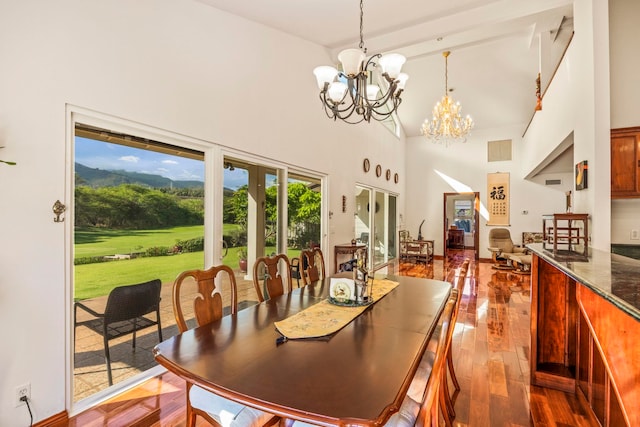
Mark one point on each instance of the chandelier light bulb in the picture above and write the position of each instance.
(337, 91)
(402, 80)
(372, 92)
(391, 64)
(351, 60)
(324, 74)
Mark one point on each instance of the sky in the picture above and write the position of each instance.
(107, 156)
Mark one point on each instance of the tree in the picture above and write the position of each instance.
(134, 206)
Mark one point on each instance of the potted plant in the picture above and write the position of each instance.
(242, 259)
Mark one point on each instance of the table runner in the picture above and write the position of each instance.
(324, 318)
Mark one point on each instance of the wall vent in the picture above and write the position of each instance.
(552, 181)
(499, 151)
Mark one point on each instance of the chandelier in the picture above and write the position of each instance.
(447, 125)
(352, 90)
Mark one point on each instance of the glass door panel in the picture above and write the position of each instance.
(392, 232)
(139, 216)
(235, 217)
(379, 224)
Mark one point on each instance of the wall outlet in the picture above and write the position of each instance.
(23, 390)
(635, 235)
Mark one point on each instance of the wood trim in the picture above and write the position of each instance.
(58, 420)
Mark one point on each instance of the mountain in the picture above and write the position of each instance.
(105, 178)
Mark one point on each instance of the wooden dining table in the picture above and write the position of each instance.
(356, 377)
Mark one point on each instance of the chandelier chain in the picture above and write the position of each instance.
(446, 74)
(361, 45)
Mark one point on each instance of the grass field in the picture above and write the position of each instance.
(100, 242)
(92, 280)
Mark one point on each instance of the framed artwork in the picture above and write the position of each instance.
(366, 165)
(498, 198)
(581, 175)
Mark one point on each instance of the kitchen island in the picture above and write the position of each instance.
(585, 329)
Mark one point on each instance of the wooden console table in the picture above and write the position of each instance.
(346, 249)
(567, 231)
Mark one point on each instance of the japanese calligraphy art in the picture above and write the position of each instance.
(498, 198)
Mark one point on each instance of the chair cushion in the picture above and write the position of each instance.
(418, 385)
(227, 412)
(406, 416)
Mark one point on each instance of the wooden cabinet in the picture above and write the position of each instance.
(581, 343)
(625, 162)
(455, 238)
(595, 384)
(553, 327)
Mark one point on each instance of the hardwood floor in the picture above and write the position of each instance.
(490, 350)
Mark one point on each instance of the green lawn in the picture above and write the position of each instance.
(92, 280)
(99, 242)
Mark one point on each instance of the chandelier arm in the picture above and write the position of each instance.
(333, 111)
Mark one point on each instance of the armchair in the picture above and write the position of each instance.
(503, 251)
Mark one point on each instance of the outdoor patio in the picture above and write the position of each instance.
(90, 373)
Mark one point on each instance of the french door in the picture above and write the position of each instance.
(375, 224)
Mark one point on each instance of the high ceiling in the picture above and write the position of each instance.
(494, 46)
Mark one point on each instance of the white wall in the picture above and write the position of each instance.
(175, 65)
(467, 164)
(578, 100)
(624, 62)
(625, 101)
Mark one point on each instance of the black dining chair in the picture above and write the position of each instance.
(125, 312)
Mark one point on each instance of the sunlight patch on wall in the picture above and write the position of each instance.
(459, 187)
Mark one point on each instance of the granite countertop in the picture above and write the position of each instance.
(614, 277)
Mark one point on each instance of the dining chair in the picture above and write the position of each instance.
(420, 405)
(273, 275)
(312, 262)
(125, 312)
(208, 307)
(462, 277)
(446, 398)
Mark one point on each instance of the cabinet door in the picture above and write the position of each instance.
(625, 179)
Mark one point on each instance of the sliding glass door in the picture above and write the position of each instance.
(138, 216)
(147, 209)
(375, 224)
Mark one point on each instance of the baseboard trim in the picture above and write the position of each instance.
(58, 420)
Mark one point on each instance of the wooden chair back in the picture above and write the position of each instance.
(207, 301)
(312, 263)
(429, 409)
(273, 275)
